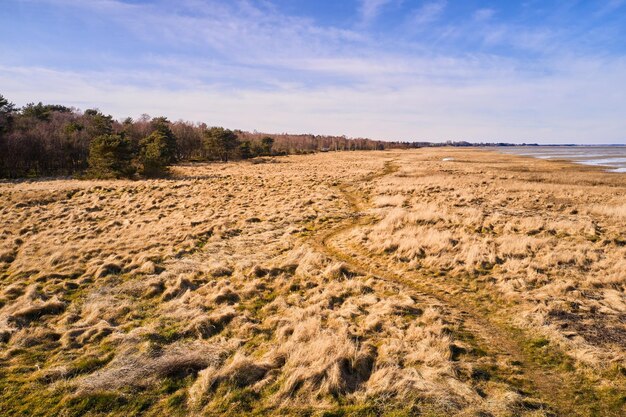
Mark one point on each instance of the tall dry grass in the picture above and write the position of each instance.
(202, 294)
(547, 237)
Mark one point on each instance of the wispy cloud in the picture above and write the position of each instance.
(610, 6)
(482, 15)
(497, 105)
(370, 9)
(429, 12)
(248, 65)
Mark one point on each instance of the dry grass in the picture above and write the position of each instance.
(548, 238)
(208, 293)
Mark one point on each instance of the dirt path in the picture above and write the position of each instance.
(557, 388)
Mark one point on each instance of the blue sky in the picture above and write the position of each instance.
(537, 71)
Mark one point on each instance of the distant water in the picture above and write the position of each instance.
(613, 158)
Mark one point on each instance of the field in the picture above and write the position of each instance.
(432, 282)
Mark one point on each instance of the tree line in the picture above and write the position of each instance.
(49, 139)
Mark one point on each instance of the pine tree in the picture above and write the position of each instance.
(154, 154)
(220, 143)
(266, 145)
(7, 110)
(162, 126)
(110, 156)
(98, 124)
(245, 150)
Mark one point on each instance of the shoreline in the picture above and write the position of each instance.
(610, 161)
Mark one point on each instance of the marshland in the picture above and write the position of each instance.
(435, 282)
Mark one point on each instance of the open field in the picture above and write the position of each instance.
(339, 284)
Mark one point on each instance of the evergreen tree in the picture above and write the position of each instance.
(5, 105)
(221, 143)
(6, 121)
(37, 111)
(154, 155)
(99, 124)
(162, 126)
(110, 156)
(266, 145)
(245, 150)
(7, 110)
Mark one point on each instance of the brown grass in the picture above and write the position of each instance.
(550, 239)
(214, 292)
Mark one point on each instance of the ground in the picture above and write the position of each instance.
(429, 282)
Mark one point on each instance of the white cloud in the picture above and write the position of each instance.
(249, 66)
(482, 15)
(429, 12)
(370, 9)
(577, 105)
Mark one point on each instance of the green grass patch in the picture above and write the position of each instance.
(90, 364)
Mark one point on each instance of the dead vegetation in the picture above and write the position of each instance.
(207, 294)
(545, 244)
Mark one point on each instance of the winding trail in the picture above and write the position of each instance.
(556, 388)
